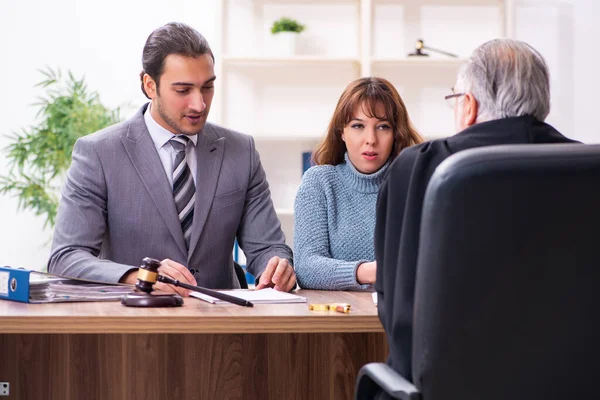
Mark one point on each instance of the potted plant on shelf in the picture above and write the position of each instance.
(39, 156)
(285, 32)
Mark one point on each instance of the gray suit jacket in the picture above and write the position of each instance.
(117, 207)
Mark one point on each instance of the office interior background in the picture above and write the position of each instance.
(285, 102)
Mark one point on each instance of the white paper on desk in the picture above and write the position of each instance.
(263, 296)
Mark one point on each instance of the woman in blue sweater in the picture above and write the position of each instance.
(334, 211)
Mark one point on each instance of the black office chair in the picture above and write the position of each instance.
(507, 302)
(241, 275)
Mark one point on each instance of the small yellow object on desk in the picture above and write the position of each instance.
(339, 307)
(318, 307)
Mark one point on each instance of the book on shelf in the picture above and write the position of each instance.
(29, 286)
(307, 161)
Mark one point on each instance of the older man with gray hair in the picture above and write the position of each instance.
(501, 96)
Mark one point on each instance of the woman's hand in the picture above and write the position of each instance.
(366, 272)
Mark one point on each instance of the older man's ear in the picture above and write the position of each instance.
(468, 111)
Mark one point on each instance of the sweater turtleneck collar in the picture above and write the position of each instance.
(363, 183)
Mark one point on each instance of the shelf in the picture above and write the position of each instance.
(269, 61)
(419, 61)
(311, 1)
(286, 101)
(266, 137)
(271, 101)
(286, 212)
(317, 139)
(470, 3)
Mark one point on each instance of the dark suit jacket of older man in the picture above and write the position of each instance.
(117, 207)
(398, 219)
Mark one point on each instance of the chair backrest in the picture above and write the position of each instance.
(507, 302)
(241, 275)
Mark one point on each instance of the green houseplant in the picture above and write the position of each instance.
(38, 156)
(285, 24)
(284, 35)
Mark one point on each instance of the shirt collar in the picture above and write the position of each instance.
(160, 136)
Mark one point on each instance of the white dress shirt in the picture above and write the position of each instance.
(160, 136)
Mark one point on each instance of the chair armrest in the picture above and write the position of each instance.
(379, 375)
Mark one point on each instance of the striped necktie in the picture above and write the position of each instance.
(184, 190)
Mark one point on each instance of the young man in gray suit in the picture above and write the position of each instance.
(166, 184)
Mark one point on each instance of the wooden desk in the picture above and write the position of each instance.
(75, 351)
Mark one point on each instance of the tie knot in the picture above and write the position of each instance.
(179, 142)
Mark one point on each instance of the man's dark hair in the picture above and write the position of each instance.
(172, 38)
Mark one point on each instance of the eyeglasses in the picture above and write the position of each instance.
(451, 98)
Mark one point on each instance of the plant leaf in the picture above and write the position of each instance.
(39, 156)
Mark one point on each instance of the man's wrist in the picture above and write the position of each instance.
(129, 277)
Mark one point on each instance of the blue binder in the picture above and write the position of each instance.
(14, 284)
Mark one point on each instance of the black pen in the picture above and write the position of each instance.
(210, 292)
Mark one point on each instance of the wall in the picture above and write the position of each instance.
(566, 34)
(104, 42)
(587, 64)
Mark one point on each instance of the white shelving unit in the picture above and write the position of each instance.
(286, 102)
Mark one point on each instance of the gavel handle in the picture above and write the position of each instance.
(213, 293)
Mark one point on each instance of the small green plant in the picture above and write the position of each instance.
(39, 156)
(285, 24)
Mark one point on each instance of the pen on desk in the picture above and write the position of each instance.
(213, 293)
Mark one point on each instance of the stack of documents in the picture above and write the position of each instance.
(39, 287)
(71, 290)
(263, 296)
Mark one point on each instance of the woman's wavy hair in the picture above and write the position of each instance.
(369, 93)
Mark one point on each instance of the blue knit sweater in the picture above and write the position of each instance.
(334, 224)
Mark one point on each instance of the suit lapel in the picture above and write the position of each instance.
(145, 160)
(209, 155)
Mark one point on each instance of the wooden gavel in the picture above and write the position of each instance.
(148, 275)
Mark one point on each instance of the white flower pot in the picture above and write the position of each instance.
(283, 44)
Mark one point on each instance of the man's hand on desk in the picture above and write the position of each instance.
(278, 274)
(168, 268)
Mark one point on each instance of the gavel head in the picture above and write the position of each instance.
(147, 274)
